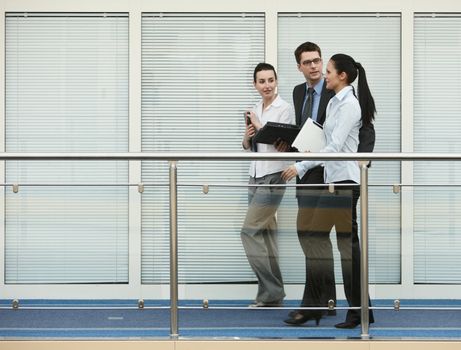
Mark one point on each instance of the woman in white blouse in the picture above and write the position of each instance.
(259, 230)
(345, 115)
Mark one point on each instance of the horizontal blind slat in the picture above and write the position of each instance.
(196, 82)
(66, 91)
(373, 41)
(436, 129)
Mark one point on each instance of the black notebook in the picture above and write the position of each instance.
(273, 131)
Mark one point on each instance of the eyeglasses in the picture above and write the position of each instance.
(309, 62)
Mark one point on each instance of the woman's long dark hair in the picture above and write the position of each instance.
(345, 63)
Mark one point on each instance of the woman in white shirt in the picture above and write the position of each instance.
(345, 115)
(259, 230)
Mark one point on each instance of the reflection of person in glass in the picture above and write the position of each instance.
(345, 115)
(259, 231)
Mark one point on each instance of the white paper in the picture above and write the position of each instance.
(310, 138)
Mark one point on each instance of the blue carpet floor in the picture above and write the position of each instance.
(121, 319)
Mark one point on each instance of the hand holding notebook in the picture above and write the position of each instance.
(272, 131)
(310, 138)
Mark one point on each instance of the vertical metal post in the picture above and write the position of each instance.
(365, 317)
(173, 250)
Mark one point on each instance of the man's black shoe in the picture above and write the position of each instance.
(347, 325)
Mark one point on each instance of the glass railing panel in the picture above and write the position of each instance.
(221, 240)
(422, 300)
(68, 268)
(421, 319)
(232, 254)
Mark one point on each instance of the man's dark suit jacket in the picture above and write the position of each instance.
(366, 135)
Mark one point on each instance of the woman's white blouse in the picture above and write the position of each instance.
(279, 111)
(341, 127)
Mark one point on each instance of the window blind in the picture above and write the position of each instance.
(373, 40)
(66, 91)
(437, 127)
(197, 73)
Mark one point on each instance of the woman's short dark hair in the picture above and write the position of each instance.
(264, 66)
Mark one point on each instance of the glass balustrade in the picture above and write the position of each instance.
(95, 260)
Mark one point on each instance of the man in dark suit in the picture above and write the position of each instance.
(310, 100)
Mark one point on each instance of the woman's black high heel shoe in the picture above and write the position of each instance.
(297, 318)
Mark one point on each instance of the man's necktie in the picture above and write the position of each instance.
(307, 110)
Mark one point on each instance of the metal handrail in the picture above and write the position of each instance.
(168, 156)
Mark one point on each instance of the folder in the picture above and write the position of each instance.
(310, 138)
(273, 131)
